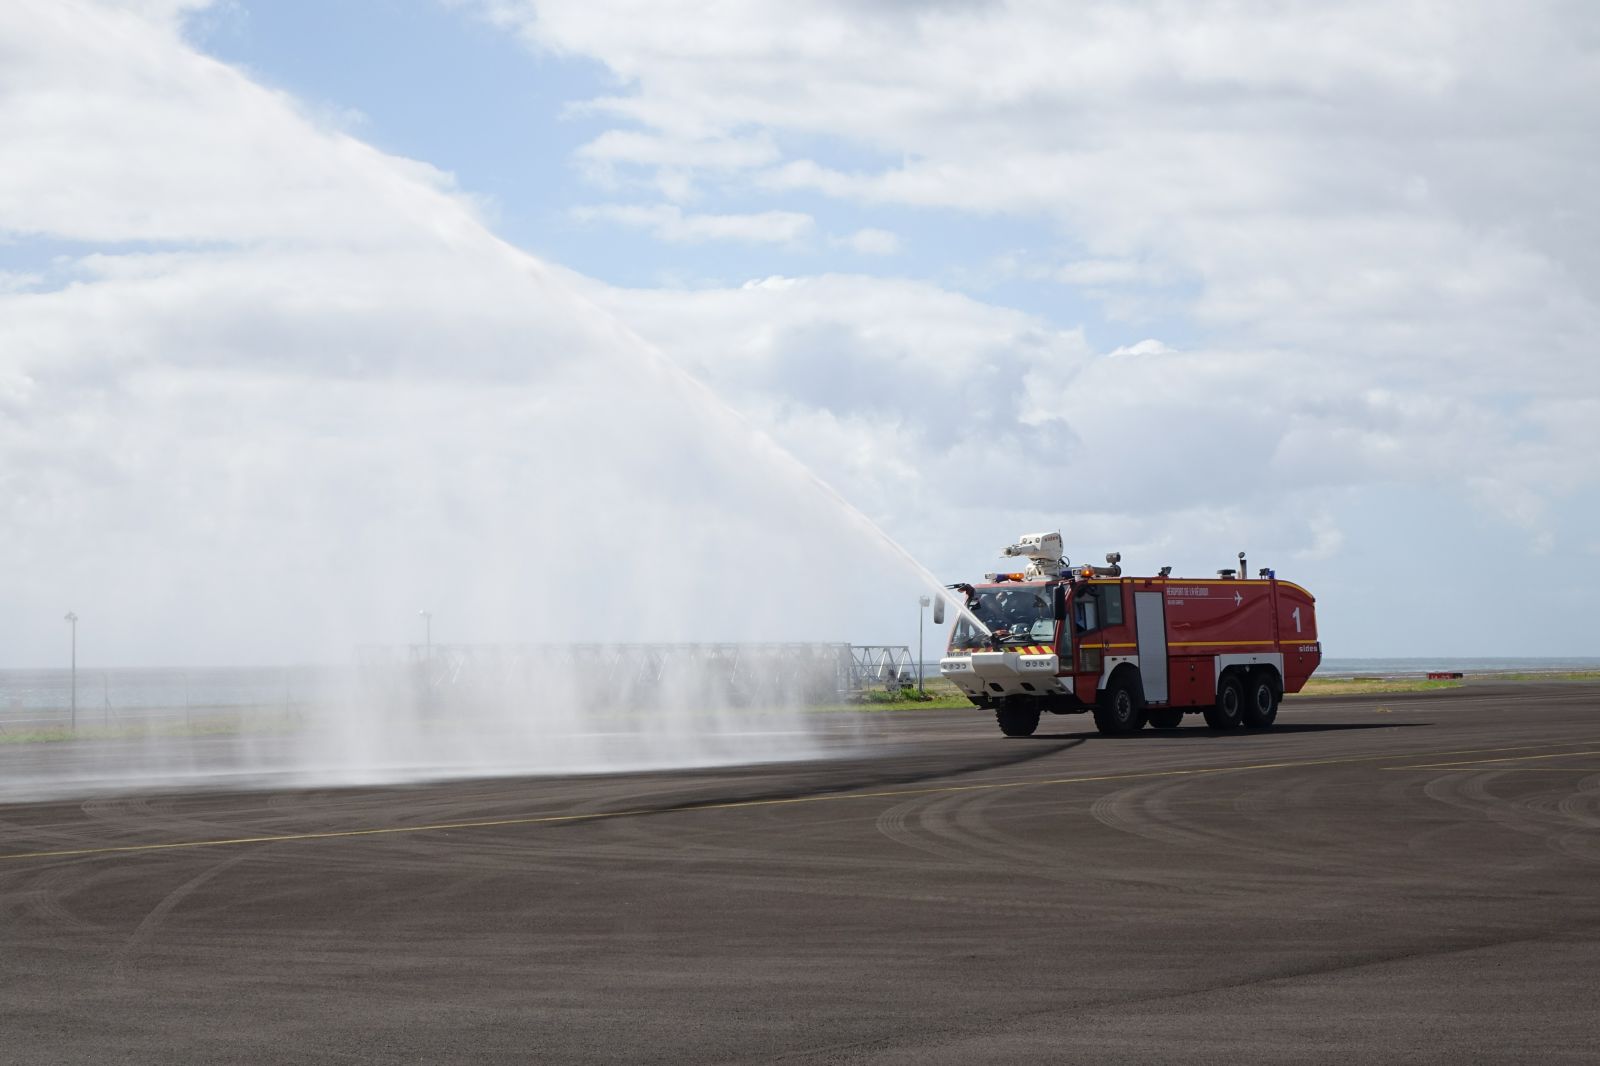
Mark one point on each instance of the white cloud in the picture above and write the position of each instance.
(670, 223)
(111, 157)
(19, 281)
(1102, 272)
(645, 149)
(1377, 225)
(871, 241)
(1376, 181)
(959, 423)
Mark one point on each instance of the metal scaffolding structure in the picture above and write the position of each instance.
(881, 666)
(738, 674)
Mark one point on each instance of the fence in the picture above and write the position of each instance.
(742, 674)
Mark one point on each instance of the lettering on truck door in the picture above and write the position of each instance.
(1150, 613)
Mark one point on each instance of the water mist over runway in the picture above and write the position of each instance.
(442, 713)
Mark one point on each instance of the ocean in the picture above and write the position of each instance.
(1417, 667)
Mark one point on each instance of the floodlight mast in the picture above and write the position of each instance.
(71, 618)
(923, 602)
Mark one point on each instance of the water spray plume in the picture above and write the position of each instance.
(893, 548)
(513, 478)
(316, 433)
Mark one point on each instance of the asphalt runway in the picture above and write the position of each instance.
(1402, 878)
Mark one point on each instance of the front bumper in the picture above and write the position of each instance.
(993, 675)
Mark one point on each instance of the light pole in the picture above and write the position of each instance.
(922, 604)
(427, 632)
(72, 620)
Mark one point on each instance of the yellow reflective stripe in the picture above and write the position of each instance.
(1252, 582)
(1217, 643)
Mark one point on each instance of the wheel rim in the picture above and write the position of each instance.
(1123, 708)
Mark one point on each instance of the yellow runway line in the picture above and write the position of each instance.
(1512, 769)
(688, 808)
(1484, 762)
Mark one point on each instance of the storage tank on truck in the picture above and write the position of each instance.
(1132, 651)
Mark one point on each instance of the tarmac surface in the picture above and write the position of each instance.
(1402, 878)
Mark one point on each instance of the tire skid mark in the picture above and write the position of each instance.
(45, 897)
(629, 839)
(955, 828)
(1206, 825)
(143, 934)
(894, 822)
(965, 822)
(62, 833)
(138, 813)
(1219, 834)
(806, 790)
(1565, 816)
(942, 1034)
(719, 847)
(870, 777)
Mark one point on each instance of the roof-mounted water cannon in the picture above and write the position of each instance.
(1043, 552)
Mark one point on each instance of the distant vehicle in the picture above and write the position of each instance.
(1130, 650)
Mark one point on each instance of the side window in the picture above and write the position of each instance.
(1111, 596)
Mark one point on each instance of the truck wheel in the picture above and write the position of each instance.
(1260, 702)
(1119, 711)
(1017, 721)
(1229, 711)
(1166, 718)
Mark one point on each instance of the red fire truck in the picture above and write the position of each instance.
(1130, 650)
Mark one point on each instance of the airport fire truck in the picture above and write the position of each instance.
(1133, 651)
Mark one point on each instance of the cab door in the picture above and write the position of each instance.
(1150, 617)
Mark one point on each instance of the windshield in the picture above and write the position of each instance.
(1017, 614)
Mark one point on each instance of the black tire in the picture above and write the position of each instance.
(1260, 702)
(1166, 718)
(1120, 710)
(1229, 711)
(1017, 720)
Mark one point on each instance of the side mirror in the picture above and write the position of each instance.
(938, 611)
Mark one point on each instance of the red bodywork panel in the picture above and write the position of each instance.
(1205, 619)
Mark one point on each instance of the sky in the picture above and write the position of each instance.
(382, 299)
